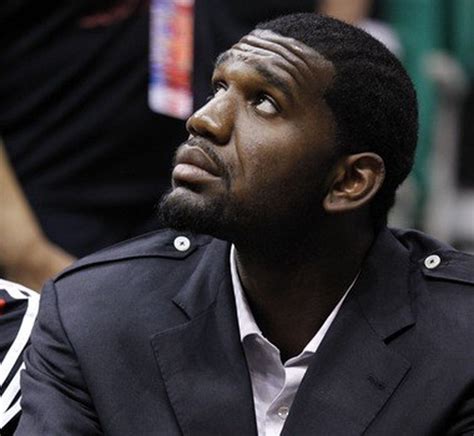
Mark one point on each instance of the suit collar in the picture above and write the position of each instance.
(383, 289)
(202, 361)
(206, 280)
(350, 379)
(354, 372)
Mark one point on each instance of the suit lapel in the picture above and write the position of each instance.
(202, 361)
(354, 372)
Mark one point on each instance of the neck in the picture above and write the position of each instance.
(292, 291)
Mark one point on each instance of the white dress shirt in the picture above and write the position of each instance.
(274, 384)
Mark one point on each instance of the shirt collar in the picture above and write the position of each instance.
(246, 320)
(247, 324)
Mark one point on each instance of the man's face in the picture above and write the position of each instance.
(259, 151)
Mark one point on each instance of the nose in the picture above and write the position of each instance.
(214, 121)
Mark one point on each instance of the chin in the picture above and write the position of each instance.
(185, 210)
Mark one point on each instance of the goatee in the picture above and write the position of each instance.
(183, 214)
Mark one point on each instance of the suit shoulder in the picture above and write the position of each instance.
(165, 243)
(437, 260)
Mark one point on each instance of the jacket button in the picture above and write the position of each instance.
(182, 243)
(432, 261)
(283, 411)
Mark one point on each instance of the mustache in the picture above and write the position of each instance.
(208, 148)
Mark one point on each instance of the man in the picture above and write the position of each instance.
(308, 316)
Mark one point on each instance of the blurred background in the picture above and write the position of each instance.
(94, 94)
(437, 41)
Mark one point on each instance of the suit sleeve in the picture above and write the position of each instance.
(55, 400)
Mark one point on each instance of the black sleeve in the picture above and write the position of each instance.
(55, 400)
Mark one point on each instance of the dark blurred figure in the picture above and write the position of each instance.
(90, 156)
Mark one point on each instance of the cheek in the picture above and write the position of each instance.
(268, 157)
(268, 171)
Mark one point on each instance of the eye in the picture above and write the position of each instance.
(217, 87)
(266, 104)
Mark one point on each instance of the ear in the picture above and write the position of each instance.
(355, 180)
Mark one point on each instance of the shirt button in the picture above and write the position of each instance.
(283, 412)
(431, 262)
(182, 243)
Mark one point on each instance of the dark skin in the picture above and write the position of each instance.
(291, 301)
(296, 211)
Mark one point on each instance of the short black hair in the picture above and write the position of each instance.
(372, 97)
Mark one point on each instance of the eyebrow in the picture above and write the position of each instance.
(223, 57)
(272, 78)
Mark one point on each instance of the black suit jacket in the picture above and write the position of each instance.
(142, 339)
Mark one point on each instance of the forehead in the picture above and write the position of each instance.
(285, 61)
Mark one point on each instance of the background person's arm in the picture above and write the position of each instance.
(26, 255)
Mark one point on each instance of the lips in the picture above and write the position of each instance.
(193, 165)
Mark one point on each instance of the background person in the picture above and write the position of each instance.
(87, 152)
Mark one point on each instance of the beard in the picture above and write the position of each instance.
(276, 218)
(269, 232)
(178, 210)
(183, 208)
